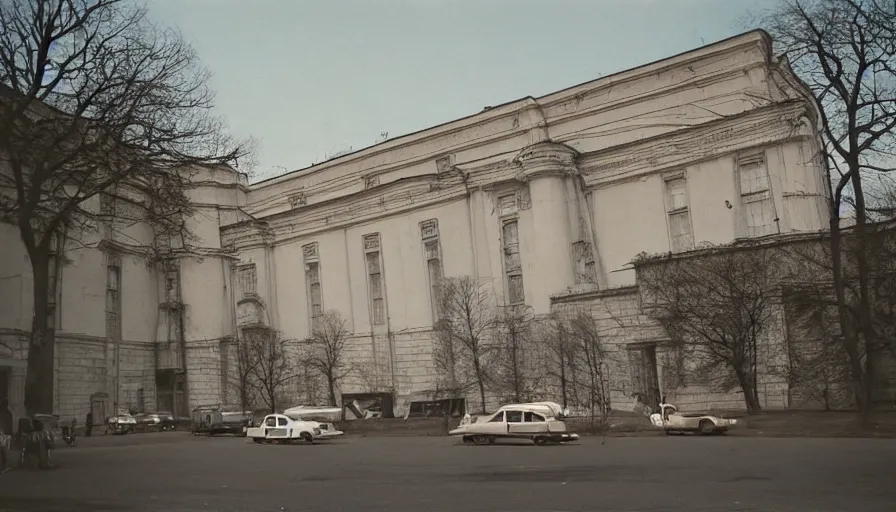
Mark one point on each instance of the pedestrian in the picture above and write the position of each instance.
(89, 425)
(5, 434)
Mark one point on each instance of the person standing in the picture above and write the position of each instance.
(89, 427)
(5, 434)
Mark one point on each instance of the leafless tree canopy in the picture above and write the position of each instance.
(577, 361)
(93, 96)
(271, 365)
(592, 363)
(94, 99)
(716, 307)
(559, 356)
(326, 352)
(845, 51)
(246, 356)
(462, 340)
(518, 368)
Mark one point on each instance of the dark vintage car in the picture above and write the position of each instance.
(155, 421)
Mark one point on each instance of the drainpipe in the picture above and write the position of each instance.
(183, 341)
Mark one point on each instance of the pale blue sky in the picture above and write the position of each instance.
(308, 78)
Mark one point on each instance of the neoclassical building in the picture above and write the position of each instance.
(546, 200)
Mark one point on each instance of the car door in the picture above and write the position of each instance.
(514, 420)
(280, 431)
(494, 426)
(532, 423)
(270, 427)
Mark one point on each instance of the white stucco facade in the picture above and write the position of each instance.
(543, 199)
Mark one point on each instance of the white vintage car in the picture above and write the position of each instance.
(282, 428)
(540, 421)
(672, 421)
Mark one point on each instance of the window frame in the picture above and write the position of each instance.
(429, 238)
(372, 246)
(678, 212)
(511, 273)
(311, 257)
(762, 197)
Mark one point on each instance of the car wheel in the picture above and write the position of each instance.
(258, 440)
(706, 427)
(308, 438)
(483, 440)
(539, 441)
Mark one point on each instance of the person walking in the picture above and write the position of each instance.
(5, 435)
(88, 428)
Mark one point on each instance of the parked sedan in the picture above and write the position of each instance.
(155, 421)
(541, 422)
(123, 423)
(672, 421)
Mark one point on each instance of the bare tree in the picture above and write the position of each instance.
(272, 368)
(716, 307)
(845, 52)
(448, 362)
(815, 364)
(558, 354)
(93, 99)
(516, 373)
(593, 360)
(817, 298)
(246, 357)
(326, 351)
(466, 321)
(371, 376)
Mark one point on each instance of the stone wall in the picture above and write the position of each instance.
(623, 326)
(204, 373)
(86, 365)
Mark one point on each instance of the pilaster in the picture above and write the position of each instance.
(547, 167)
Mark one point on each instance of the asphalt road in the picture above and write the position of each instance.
(177, 472)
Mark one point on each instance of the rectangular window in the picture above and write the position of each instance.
(512, 265)
(247, 277)
(375, 291)
(113, 302)
(429, 232)
(312, 281)
(756, 196)
(678, 213)
(507, 204)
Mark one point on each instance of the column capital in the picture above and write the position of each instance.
(546, 159)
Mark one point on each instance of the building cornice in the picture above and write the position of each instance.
(599, 169)
(521, 123)
(708, 141)
(571, 296)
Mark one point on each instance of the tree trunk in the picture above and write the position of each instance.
(480, 382)
(848, 333)
(331, 384)
(751, 397)
(563, 381)
(39, 381)
(866, 321)
(244, 393)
